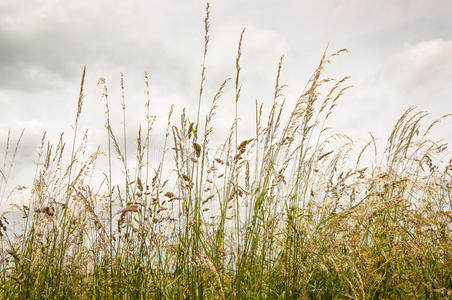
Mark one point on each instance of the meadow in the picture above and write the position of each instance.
(293, 212)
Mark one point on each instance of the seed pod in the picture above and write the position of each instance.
(169, 195)
(197, 148)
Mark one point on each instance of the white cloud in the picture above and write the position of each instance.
(417, 75)
(427, 66)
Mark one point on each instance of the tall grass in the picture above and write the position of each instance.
(292, 212)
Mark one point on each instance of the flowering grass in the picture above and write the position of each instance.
(291, 212)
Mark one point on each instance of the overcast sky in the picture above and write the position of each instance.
(401, 55)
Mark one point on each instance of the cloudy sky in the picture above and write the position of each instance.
(400, 56)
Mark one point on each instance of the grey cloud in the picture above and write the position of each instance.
(45, 49)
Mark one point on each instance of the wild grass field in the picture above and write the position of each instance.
(293, 212)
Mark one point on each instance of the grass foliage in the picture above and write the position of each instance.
(291, 212)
